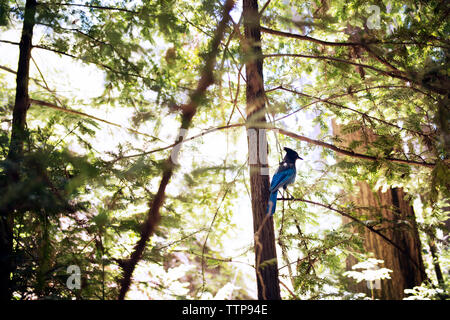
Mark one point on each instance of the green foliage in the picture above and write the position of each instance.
(4, 12)
(81, 201)
(426, 292)
(369, 271)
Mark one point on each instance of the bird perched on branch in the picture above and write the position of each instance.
(285, 175)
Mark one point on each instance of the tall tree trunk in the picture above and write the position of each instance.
(265, 251)
(18, 135)
(398, 224)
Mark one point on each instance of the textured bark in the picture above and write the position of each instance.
(265, 251)
(18, 135)
(398, 224)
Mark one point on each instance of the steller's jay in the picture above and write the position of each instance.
(285, 175)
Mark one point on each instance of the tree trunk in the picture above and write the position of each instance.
(18, 136)
(265, 251)
(397, 223)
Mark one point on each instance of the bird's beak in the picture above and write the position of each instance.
(298, 157)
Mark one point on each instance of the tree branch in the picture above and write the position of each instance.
(393, 74)
(89, 6)
(263, 9)
(82, 114)
(79, 113)
(235, 125)
(379, 58)
(340, 44)
(381, 71)
(189, 110)
(372, 229)
(307, 38)
(327, 100)
(351, 92)
(9, 42)
(351, 153)
(104, 66)
(289, 290)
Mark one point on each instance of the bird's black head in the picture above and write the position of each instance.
(291, 155)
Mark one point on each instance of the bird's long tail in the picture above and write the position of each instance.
(272, 202)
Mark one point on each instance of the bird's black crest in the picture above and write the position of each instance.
(292, 154)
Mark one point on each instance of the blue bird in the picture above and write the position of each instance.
(285, 175)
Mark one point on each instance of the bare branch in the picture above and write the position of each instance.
(289, 290)
(307, 38)
(393, 74)
(294, 136)
(9, 42)
(263, 9)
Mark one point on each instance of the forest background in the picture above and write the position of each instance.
(99, 199)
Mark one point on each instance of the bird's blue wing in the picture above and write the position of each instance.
(281, 178)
